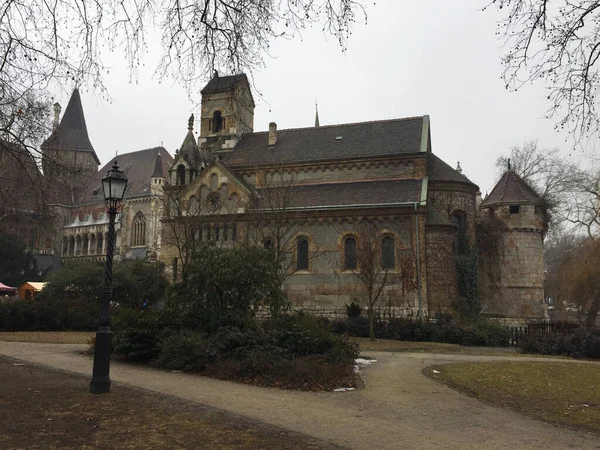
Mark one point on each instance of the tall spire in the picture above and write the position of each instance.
(458, 168)
(316, 115)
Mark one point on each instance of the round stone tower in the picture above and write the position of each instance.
(511, 259)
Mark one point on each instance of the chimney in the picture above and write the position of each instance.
(57, 109)
(272, 134)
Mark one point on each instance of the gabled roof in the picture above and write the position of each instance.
(139, 168)
(438, 170)
(512, 189)
(222, 84)
(354, 140)
(349, 195)
(71, 133)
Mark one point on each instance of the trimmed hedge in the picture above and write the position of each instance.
(582, 344)
(64, 315)
(480, 334)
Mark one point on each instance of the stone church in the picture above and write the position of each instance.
(325, 196)
(333, 202)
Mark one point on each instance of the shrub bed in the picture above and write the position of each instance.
(481, 334)
(290, 352)
(582, 344)
(46, 315)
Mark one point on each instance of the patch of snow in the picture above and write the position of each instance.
(435, 371)
(343, 389)
(364, 362)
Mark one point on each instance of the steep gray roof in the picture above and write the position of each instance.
(71, 133)
(139, 168)
(222, 84)
(158, 167)
(189, 150)
(359, 194)
(438, 170)
(512, 189)
(354, 140)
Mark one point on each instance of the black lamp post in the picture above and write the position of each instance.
(114, 185)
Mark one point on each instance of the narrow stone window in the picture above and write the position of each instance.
(139, 230)
(514, 209)
(388, 260)
(350, 253)
(225, 232)
(216, 233)
(234, 232)
(268, 244)
(217, 122)
(302, 254)
(174, 269)
(180, 174)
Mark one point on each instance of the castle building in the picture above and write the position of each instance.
(74, 200)
(318, 194)
(338, 204)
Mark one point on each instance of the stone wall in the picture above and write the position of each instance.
(449, 198)
(511, 271)
(441, 269)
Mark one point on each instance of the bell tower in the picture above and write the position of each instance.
(227, 113)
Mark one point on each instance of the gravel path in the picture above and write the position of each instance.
(399, 409)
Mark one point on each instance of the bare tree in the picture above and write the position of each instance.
(558, 45)
(545, 171)
(190, 222)
(272, 221)
(583, 195)
(369, 271)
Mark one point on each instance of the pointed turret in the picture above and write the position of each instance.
(512, 190)
(316, 115)
(458, 168)
(188, 160)
(158, 167)
(71, 134)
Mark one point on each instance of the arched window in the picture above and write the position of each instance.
(350, 253)
(139, 230)
(180, 174)
(388, 257)
(217, 121)
(193, 206)
(460, 220)
(302, 254)
(99, 243)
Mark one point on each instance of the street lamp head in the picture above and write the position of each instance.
(114, 185)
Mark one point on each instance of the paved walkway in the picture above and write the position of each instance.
(399, 409)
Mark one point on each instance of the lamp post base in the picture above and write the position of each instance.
(100, 383)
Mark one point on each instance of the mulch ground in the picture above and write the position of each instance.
(42, 408)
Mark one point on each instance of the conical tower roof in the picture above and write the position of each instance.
(158, 167)
(512, 189)
(189, 150)
(71, 133)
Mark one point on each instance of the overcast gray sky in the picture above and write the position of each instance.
(413, 57)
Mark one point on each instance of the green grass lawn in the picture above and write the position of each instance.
(49, 337)
(561, 393)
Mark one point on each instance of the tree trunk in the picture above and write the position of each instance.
(371, 324)
(593, 312)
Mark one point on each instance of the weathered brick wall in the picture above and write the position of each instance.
(327, 286)
(449, 198)
(441, 269)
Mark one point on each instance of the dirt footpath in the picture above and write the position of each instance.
(399, 409)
